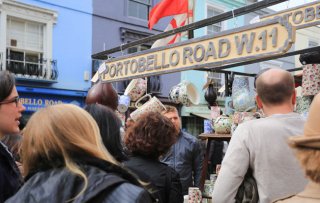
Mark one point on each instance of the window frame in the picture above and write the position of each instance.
(32, 15)
(139, 2)
(217, 77)
(214, 7)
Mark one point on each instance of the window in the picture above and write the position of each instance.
(24, 47)
(25, 35)
(138, 48)
(28, 45)
(212, 11)
(139, 8)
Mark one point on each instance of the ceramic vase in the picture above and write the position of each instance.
(222, 125)
(242, 99)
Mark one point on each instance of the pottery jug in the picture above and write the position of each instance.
(152, 105)
(174, 94)
(228, 106)
(210, 95)
(240, 83)
(136, 89)
(185, 93)
(222, 125)
(243, 100)
(103, 93)
(303, 104)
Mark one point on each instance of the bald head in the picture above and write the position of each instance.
(275, 86)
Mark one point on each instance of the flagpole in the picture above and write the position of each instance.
(190, 32)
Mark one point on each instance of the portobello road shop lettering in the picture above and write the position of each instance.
(39, 102)
(300, 17)
(258, 40)
(34, 104)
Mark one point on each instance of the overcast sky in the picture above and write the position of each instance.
(289, 4)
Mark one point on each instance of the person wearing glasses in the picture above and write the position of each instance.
(10, 114)
(64, 160)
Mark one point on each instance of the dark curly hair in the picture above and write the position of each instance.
(151, 136)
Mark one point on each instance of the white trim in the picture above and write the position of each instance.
(29, 12)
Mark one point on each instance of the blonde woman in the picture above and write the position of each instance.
(64, 161)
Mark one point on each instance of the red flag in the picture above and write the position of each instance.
(167, 8)
(177, 21)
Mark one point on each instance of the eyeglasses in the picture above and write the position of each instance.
(14, 99)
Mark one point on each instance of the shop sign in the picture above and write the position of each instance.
(303, 16)
(264, 39)
(34, 103)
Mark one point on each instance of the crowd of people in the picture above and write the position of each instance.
(66, 153)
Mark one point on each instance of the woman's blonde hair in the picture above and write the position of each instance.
(309, 160)
(61, 131)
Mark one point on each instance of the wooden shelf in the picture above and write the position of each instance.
(213, 136)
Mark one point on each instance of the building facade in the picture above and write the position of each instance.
(47, 45)
(123, 22)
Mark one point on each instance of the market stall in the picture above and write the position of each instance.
(271, 38)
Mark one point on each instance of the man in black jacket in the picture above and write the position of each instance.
(185, 156)
(10, 113)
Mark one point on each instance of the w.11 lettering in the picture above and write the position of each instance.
(248, 42)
